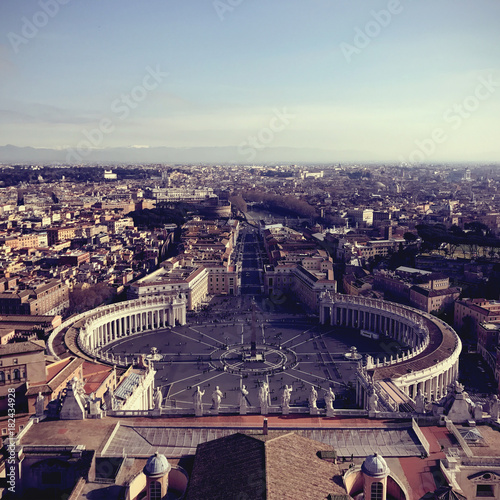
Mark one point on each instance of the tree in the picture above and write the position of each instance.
(238, 202)
(84, 299)
(410, 237)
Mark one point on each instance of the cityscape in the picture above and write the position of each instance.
(249, 250)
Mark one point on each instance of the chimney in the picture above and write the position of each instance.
(264, 428)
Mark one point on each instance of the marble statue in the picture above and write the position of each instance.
(313, 396)
(197, 399)
(95, 406)
(285, 397)
(158, 398)
(329, 398)
(243, 397)
(216, 398)
(373, 402)
(39, 405)
(264, 396)
(419, 402)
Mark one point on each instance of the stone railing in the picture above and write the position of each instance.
(232, 410)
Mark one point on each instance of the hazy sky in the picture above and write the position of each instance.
(368, 76)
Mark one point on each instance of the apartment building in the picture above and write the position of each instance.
(21, 364)
(478, 310)
(305, 285)
(50, 298)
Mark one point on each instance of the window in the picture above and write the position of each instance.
(2, 378)
(377, 491)
(485, 490)
(155, 491)
(17, 374)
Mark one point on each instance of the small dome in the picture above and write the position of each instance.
(157, 465)
(375, 466)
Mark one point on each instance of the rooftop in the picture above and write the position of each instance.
(272, 467)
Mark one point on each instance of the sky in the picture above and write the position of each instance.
(397, 80)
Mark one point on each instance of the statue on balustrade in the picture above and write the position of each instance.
(243, 398)
(264, 395)
(197, 400)
(313, 396)
(216, 398)
(420, 402)
(39, 405)
(158, 398)
(373, 404)
(285, 397)
(329, 398)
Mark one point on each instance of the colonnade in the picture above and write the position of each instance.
(109, 323)
(433, 382)
(376, 317)
(405, 325)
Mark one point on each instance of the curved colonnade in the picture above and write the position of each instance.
(106, 324)
(430, 365)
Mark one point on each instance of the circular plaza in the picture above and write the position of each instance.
(238, 345)
(214, 348)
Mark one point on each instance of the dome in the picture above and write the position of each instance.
(375, 466)
(157, 465)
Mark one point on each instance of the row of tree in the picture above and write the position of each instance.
(287, 203)
(476, 236)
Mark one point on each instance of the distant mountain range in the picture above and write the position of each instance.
(219, 155)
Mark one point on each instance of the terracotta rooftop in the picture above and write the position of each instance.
(21, 347)
(285, 466)
(55, 368)
(94, 374)
(62, 373)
